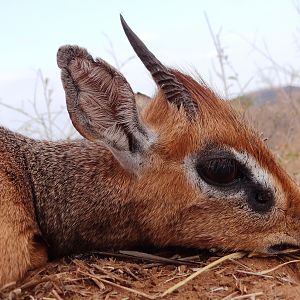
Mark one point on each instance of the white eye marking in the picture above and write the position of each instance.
(257, 175)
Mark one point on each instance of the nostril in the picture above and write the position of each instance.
(261, 200)
(263, 197)
(282, 247)
(259, 197)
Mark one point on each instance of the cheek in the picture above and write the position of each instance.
(210, 226)
(282, 199)
(166, 185)
(241, 215)
(221, 220)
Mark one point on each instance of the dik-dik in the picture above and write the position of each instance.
(185, 171)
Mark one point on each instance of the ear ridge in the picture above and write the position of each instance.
(99, 85)
(100, 101)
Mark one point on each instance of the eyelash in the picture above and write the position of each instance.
(220, 171)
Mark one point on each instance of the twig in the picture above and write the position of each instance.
(248, 296)
(254, 273)
(156, 258)
(129, 272)
(277, 267)
(129, 289)
(221, 57)
(230, 295)
(119, 65)
(4, 287)
(110, 274)
(235, 255)
(54, 292)
(119, 286)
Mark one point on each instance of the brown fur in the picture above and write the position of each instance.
(128, 186)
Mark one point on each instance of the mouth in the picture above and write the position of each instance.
(283, 248)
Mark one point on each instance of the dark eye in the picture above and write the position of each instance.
(219, 171)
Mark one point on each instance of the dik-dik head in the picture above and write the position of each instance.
(200, 176)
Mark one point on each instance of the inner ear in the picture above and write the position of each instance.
(101, 103)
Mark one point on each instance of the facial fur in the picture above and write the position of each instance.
(255, 208)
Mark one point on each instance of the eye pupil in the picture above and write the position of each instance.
(219, 171)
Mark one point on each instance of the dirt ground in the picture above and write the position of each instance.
(128, 278)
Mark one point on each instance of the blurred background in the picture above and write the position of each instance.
(247, 51)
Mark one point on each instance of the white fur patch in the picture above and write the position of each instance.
(259, 175)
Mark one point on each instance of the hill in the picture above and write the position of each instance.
(275, 114)
(266, 95)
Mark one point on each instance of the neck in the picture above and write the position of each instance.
(82, 197)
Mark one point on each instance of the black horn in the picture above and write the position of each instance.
(174, 91)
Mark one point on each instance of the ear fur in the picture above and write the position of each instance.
(101, 104)
(142, 101)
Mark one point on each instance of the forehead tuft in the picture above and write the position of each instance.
(200, 92)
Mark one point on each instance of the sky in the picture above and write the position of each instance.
(175, 31)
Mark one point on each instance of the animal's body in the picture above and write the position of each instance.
(68, 183)
(185, 171)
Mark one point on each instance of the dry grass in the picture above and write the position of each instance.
(279, 124)
(222, 277)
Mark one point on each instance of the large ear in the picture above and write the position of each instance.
(102, 105)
